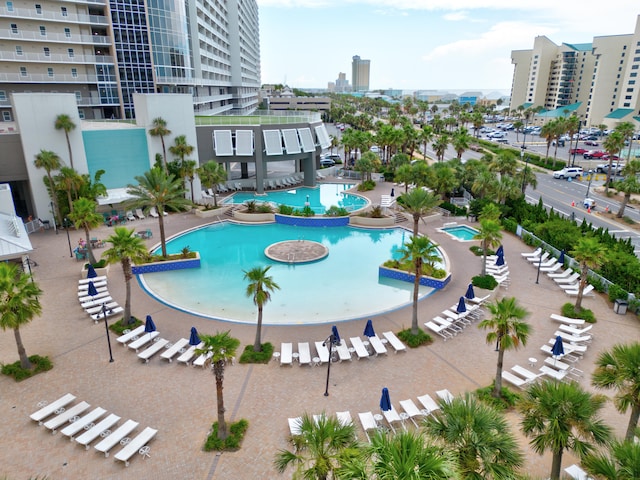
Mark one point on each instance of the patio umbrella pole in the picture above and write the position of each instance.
(331, 339)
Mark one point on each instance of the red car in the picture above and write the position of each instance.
(578, 151)
(612, 157)
(593, 154)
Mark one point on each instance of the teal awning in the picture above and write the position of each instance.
(619, 113)
(563, 111)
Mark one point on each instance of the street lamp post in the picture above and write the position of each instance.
(331, 341)
(106, 326)
(539, 263)
(589, 186)
(66, 228)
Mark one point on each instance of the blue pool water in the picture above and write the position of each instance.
(320, 198)
(344, 285)
(461, 232)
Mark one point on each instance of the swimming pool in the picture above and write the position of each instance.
(320, 198)
(345, 285)
(464, 233)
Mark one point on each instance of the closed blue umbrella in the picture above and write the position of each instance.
(91, 289)
(149, 326)
(385, 400)
(558, 349)
(500, 250)
(470, 293)
(194, 339)
(336, 335)
(368, 330)
(561, 257)
(91, 272)
(500, 260)
(462, 307)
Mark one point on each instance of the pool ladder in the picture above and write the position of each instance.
(291, 258)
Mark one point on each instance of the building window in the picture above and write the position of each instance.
(6, 116)
(43, 30)
(627, 97)
(633, 74)
(64, 11)
(634, 67)
(629, 90)
(9, 6)
(79, 96)
(70, 52)
(627, 104)
(81, 114)
(18, 50)
(47, 52)
(50, 72)
(38, 9)
(67, 32)
(14, 28)
(23, 71)
(74, 72)
(3, 95)
(632, 82)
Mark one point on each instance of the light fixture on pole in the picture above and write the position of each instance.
(66, 228)
(330, 342)
(106, 326)
(539, 263)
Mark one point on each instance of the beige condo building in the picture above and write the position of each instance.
(598, 80)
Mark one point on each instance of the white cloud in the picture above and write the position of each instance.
(456, 16)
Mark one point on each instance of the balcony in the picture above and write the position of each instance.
(55, 37)
(53, 16)
(175, 80)
(45, 78)
(56, 58)
(95, 102)
(211, 98)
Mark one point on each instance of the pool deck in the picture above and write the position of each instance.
(180, 401)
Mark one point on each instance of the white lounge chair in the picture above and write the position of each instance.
(392, 417)
(344, 418)
(139, 214)
(85, 281)
(553, 373)
(553, 268)
(127, 337)
(445, 395)
(108, 312)
(152, 350)
(130, 217)
(479, 300)
(84, 287)
(173, 350)
(570, 279)
(304, 354)
(569, 286)
(142, 340)
(153, 212)
(98, 308)
(135, 445)
(89, 298)
(535, 253)
(189, 353)
(201, 361)
(361, 350)
(98, 301)
(559, 364)
(80, 424)
(567, 273)
(440, 330)
(577, 473)
(377, 345)
(112, 440)
(286, 354)
(547, 264)
(295, 425)
(59, 420)
(586, 292)
(567, 320)
(572, 338)
(575, 331)
(343, 351)
(448, 324)
(569, 355)
(569, 347)
(539, 259)
(428, 403)
(82, 293)
(51, 408)
(512, 379)
(394, 341)
(368, 423)
(412, 410)
(323, 352)
(97, 430)
(528, 375)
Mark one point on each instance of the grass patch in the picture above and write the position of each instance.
(230, 444)
(40, 364)
(249, 356)
(119, 327)
(568, 310)
(414, 341)
(484, 281)
(506, 402)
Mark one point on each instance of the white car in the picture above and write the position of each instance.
(568, 172)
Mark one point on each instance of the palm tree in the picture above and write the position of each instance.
(627, 129)
(561, 416)
(158, 190)
(260, 287)
(19, 304)
(612, 145)
(219, 349)
(84, 216)
(50, 161)
(444, 179)
(629, 184)
(619, 369)
(440, 146)
(211, 174)
(404, 174)
(490, 236)
(460, 141)
(418, 202)
(622, 463)
(319, 448)
(419, 250)
(125, 248)
(188, 171)
(508, 329)
(69, 181)
(403, 455)
(64, 122)
(479, 437)
(160, 129)
(590, 254)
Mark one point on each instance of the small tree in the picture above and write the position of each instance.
(590, 254)
(260, 287)
(490, 236)
(50, 161)
(19, 304)
(160, 129)
(84, 216)
(211, 174)
(64, 122)
(220, 349)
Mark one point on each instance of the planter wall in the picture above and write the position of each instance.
(312, 221)
(437, 283)
(100, 271)
(372, 222)
(166, 266)
(210, 213)
(253, 217)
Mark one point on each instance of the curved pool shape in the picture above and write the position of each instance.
(463, 233)
(343, 286)
(320, 198)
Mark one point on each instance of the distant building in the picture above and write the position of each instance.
(597, 80)
(342, 84)
(360, 74)
(286, 100)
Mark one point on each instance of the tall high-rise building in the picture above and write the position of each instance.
(360, 74)
(597, 80)
(104, 51)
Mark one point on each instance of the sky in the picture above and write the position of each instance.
(423, 44)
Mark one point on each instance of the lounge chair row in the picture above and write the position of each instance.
(449, 323)
(100, 305)
(72, 421)
(565, 279)
(367, 348)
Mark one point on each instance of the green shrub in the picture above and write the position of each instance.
(40, 364)
(616, 292)
(307, 211)
(251, 206)
(478, 252)
(366, 186)
(454, 209)
(232, 442)
(185, 251)
(508, 400)
(335, 211)
(264, 208)
(249, 356)
(100, 264)
(484, 281)
(568, 310)
(414, 341)
(119, 327)
(285, 209)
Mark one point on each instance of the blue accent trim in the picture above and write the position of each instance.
(165, 266)
(431, 282)
(312, 221)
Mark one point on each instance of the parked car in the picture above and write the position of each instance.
(503, 140)
(568, 172)
(593, 143)
(560, 143)
(604, 167)
(327, 162)
(593, 154)
(578, 151)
